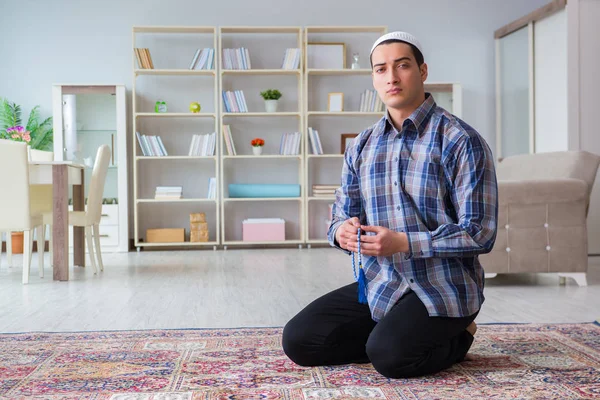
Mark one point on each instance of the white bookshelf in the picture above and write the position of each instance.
(326, 168)
(172, 49)
(303, 105)
(266, 49)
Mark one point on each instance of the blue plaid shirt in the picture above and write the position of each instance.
(435, 180)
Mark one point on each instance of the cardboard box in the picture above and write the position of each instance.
(198, 217)
(263, 229)
(199, 236)
(165, 235)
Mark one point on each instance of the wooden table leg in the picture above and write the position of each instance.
(79, 232)
(60, 223)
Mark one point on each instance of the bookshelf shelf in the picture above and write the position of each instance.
(175, 72)
(297, 157)
(175, 115)
(346, 71)
(244, 243)
(214, 158)
(329, 198)
(255, 199)
(317, 156)
(176, 244)
(176, 201)
(344, 113)
(262, 114)
(262, 71)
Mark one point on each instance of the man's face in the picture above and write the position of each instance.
(397, 77)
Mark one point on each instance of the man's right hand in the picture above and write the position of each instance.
(347, 232)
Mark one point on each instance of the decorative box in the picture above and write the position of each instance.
(263, 229)
(165, 235)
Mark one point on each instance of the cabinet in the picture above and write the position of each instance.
(86, 117)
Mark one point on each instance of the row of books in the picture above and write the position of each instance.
(321, 190)
(144, 60)
(203, 145)
(370, 102)
(315, 141)
(291, 59)
(229, 145)
(203, 59)
(236, 58)
(290, 144)
(151, 145)
(234, 101)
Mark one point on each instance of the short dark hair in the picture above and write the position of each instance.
(416, 52)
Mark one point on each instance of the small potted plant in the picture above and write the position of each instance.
(257, 144)
(271, 97)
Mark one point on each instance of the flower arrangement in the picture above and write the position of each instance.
(257, 142)
(271, 94)
(37, 133)
(18, 134)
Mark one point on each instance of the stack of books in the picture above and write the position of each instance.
(234, 101)
(203, 59)
(324, 190)
(291, 59)
(168, 192)
(236, 58)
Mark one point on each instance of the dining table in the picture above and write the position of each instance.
(62, 175)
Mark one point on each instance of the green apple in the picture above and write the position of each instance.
(195, 107)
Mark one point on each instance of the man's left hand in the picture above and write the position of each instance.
(384, 243)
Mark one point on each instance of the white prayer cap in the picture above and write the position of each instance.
(403, 36)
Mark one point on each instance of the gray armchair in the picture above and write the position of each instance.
(543, 203)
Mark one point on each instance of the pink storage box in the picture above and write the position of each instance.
(263, 229)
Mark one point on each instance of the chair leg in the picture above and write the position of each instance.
(90, 245)
(50, 245)
(27, 245)
(97, 243)
(41, 243)
(9, 248)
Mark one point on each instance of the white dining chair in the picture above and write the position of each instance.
(15, 208)
(90, 218)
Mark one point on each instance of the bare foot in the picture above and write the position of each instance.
(472, 328)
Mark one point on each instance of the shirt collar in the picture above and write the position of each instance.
(417, 117)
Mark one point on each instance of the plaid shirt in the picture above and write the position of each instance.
(435, 180)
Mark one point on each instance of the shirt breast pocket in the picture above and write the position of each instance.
(423, 182)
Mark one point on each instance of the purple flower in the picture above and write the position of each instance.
(16, 129)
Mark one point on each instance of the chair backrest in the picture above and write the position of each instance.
(96, 190)
(14, 186)
(40, 195)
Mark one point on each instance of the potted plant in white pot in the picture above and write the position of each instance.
(271, 97)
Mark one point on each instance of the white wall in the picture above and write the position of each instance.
(48, 42)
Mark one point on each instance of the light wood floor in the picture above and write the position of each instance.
(241, 288)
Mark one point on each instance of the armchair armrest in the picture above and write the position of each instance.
(541, 191)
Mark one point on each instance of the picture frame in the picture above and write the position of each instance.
(335, 102)
(346, 138)
(325, 55)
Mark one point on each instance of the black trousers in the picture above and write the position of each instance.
(336, 329)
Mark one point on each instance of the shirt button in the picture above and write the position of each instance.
(398, 208)
(412, 281)
(396, 183)
(396, 159)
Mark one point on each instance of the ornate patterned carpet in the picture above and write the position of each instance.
(506, 361)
